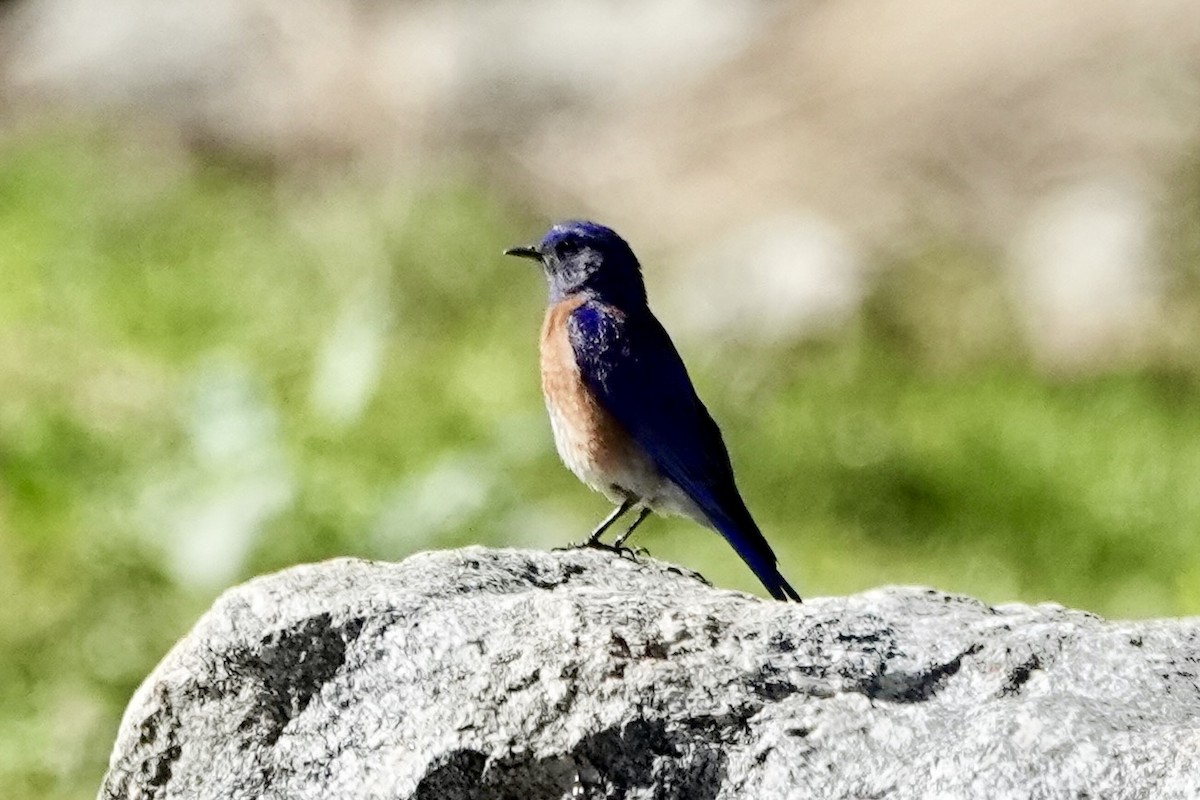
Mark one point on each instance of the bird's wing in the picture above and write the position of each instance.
(635, 372)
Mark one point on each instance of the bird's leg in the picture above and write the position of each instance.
(645, 512)
(594, 539)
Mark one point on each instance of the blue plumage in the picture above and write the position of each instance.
(629, 364)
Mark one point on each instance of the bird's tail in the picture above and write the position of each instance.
(752, 546)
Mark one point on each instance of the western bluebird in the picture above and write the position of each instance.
(625, 415)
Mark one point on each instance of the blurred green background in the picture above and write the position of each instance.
(214, 365)
(175, 337)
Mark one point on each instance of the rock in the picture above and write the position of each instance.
(483, 673)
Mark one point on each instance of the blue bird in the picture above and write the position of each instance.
(625, 416)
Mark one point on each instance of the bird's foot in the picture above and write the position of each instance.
(586, 543)
(632, 553)
(599, 545)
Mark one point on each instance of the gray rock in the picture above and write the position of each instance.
(514, 674)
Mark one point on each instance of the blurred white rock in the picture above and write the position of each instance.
(210, 511)
(774, 279)
(1084, 273)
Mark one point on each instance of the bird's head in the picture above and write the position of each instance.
(584, 257)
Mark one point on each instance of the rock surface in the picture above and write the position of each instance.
(515, 674)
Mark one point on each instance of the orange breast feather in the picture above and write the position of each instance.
(590, 441)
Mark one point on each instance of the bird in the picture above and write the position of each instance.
(625, 416)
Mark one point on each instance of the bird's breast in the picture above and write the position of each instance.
(589, 439)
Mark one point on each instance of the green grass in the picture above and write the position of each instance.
(169, 357)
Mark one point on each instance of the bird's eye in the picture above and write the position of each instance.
(568, 247)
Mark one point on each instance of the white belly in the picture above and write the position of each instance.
(599, 456)
(620, 472)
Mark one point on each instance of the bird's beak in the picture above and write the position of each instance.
(525, 251)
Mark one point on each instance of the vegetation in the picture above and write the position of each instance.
(209, 371)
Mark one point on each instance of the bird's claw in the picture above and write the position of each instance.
(632, 553)
(599, 545)
(629, 552)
